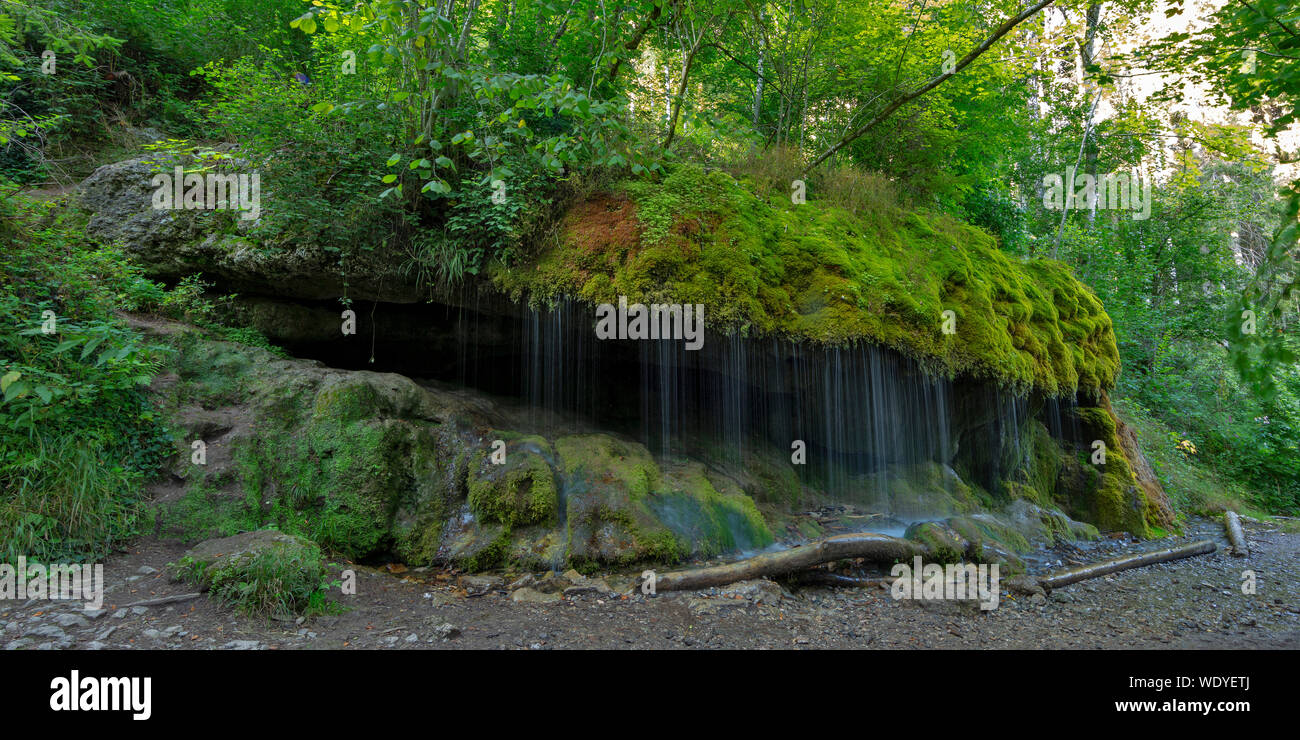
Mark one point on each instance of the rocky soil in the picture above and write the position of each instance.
(1192, 603)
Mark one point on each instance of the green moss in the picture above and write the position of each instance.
(915, 491)
(622, 509)
(1044, 463)
(345, 402)
(203, 512)
(983, 529)
(519, 491)
(1106, 494)
(709, 520)
(817, 272)
(212, 373)
(324, 467)
(344, 482)
(610, 460)
(775, 481)
(945, 544)
(423, 510)
(487, 551)
(539, 547)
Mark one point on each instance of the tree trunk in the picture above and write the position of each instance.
(1086, 57)
(869, 545)
(637, 35)
(681, 88)
(1236, 536)
(758, 87)
(1125, 562)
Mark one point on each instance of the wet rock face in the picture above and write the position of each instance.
(872, 426)
(369, 464)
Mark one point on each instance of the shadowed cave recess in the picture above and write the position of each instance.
(866, 422)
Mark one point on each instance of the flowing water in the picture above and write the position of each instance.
(862, 418)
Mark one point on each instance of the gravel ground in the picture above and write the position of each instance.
(1192, 603)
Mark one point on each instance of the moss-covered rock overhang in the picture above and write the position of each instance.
(816, 272)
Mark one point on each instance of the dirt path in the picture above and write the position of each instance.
(1194, 603)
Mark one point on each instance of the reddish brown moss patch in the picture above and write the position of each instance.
(603, 226)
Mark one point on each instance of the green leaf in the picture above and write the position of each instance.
(90, 347)
(15, 390)
(9, 378)
(305, 23)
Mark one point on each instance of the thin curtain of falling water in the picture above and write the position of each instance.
(857, 411)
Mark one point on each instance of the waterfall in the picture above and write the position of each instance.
(859, 410)
(865, 417)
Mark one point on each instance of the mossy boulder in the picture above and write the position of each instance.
(357, 462)
(984, 529)
(621, 504)
(607, 482)
(1046, 526)
(518, 490)
(262, 572)
(926, 490)
(368, 464)
(1105, 490)
(708, 511)
(478, 547)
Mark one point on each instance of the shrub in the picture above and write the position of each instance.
(78, 436)
(281, 579)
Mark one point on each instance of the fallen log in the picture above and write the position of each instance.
(867, 545)
(1236, 536)
(1125, 562)
(839, 580)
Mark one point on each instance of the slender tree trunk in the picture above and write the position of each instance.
(681, 87)
(1035, 114)
(634, 42)
(758, 87)
(1086, 57)
(1125, 562)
